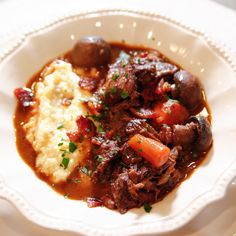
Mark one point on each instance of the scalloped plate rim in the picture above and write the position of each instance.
(217, 192)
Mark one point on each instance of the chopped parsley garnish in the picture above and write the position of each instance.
(106, 107)
(100, 129)
(60, 126)
(72, 147)
(147, 207)
(99, 158)
(66, 195)
(59, 144)
(65, 161)
(96, 117)
(115, 76)
(86, 170)
(124, 94)
(126, 75)
(140, 150)
(167, 97)
(76, 181)
(63, 154)
(118, 138)
(113, 90)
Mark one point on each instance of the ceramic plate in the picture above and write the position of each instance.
(187, 47)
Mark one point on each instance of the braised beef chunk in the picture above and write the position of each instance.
(105, 154)
(148, 67)
(142, 127)
(120, 83)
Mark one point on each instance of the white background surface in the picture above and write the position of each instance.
(18, 16)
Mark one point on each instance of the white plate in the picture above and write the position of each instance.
(185, 46)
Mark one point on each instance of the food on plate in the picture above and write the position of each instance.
(113, 124)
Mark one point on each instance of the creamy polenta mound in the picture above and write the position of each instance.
(58, 104)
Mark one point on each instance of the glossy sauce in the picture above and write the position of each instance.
(78, 186)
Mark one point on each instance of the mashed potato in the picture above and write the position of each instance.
(58, 105)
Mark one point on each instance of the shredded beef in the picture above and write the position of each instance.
(120, 84)
(151, 67)
(142, 127)
(108, 152)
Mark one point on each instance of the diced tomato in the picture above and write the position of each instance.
(170, 112)
(150, 149)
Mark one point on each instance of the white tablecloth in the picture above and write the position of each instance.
(18, 16)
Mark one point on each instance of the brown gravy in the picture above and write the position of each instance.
(73, 188)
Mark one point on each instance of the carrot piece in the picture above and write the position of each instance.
(150, 149)
(170, 112)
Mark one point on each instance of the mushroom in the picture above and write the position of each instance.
(204, 133)
(188, 90)
(91, 51)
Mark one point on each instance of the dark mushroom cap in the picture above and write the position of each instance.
(204, 139)
(91, 51)
(188, 90)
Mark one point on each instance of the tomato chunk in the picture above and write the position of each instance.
(170, 112)
(153, 151)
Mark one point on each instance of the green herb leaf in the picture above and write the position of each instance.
(76, 181)
(106, 107)
(65, 161)
(113, 90)
(66, 195)
(115, 76)
(99, 158)
(124, 94)
(59, 144)
(72, 147)
(140, 150)
(147, 207)
(60, 126)
(167, 97)
(96, 118)
(85, 170)
(100, 129)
